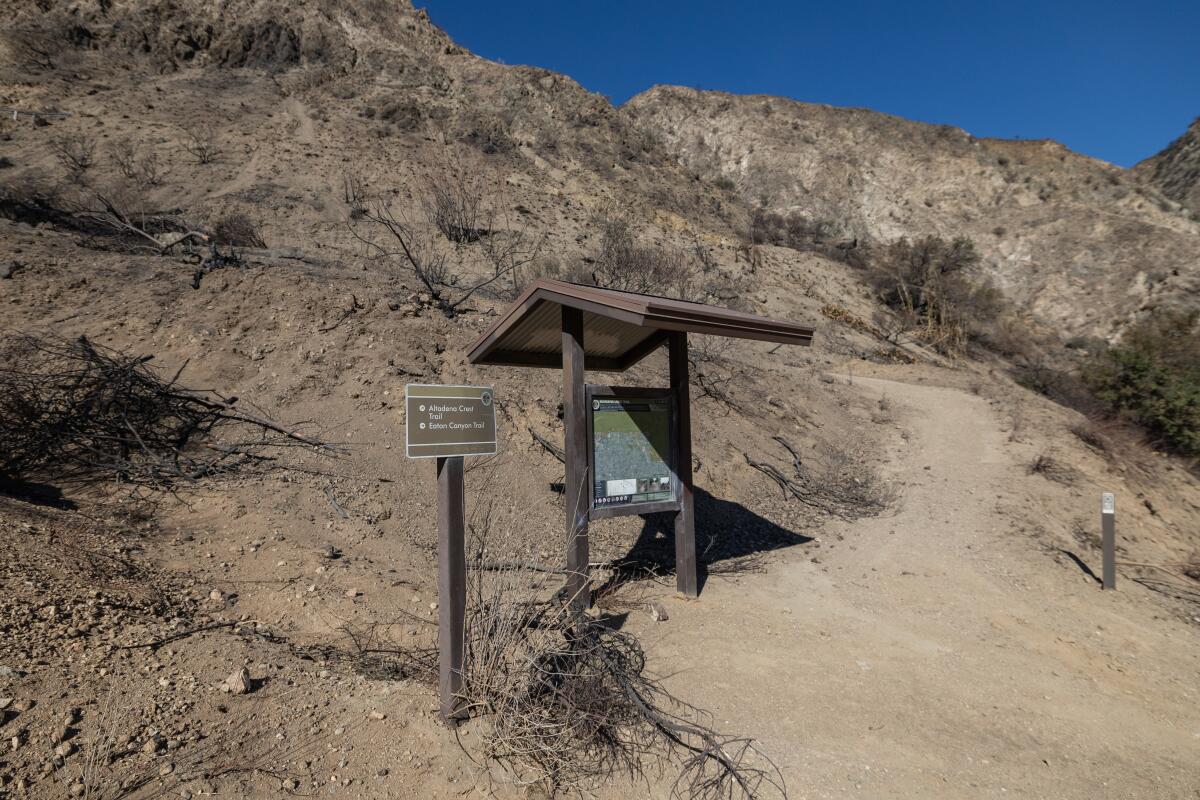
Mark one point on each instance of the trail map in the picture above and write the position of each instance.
(631, 446)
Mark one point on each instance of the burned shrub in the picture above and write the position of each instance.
(40, 39)
(141, 167)
(76, 152)
(236, 229)
(1051, 468)
(622, 263)
(569, 704)
(928, 282)
(202, 143)
(487, 132)
(454, 203)
(73, 412)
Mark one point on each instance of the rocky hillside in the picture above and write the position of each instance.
(1083, 245)
(268, 633)
(1176, 170)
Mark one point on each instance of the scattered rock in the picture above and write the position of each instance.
(77, 789)
(378, 715)
(658, 612)
(152, 746)
(352, 593)
(238, 683)
(329, 551)
(5, 702)
(217, 596)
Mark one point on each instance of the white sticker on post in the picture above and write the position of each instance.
(1108, 503)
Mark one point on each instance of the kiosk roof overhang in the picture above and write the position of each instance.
(619, 328)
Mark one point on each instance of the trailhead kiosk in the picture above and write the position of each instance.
(627, 450)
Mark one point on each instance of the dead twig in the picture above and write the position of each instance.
(548, 446)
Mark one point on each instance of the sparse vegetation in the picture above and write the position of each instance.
(568, 702)
(72, 411)
(354, 194)
(454, 202)
(1050, 467)
(76, 152)
(36, 39)
(141, 167)
(237, 229)
(202, 143)
(928, 283)
(1153, 378)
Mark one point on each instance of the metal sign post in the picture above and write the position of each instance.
(447, 423)
(1108, 527)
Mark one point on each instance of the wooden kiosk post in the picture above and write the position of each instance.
(685, 517)
(554, 324)
(577, 483)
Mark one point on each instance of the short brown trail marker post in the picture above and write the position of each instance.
(1108, 529)
(448, 423)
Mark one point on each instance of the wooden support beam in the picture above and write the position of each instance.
(452, 585)
(577, 488)
(685, 518)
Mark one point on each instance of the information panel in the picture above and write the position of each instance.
(632, 441)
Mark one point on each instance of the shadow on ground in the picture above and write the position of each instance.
(728, 538)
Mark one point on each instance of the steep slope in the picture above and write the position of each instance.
(1176, 170)
(285, 573)
(1080, 243)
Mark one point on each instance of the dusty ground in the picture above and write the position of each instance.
(954, 645)
(943, 653)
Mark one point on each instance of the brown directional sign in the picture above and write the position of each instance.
(449, 420)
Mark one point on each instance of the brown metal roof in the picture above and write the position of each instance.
(619, 328)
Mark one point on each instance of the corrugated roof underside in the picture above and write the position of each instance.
(540, 331)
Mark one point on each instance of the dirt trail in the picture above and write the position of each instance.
(935, 652)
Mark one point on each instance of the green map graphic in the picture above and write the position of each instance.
(631, 446)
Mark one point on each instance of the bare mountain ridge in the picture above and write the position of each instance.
(1176, 170)
(306, 100)
(1081, 244)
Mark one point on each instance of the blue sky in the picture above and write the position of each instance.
(1114, 80)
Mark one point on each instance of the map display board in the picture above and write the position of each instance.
(632, 447)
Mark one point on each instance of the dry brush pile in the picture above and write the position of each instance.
(569, 702)
(74, 412)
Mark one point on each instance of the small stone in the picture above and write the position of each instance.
(77, 789)
(323, 673)
(151, 746)
(382, 773)
(658, 612)
(433, 606)
(5, 702)
(238, 683)
(216, 595)
(329, 551)
(352, 593)
(167, 769)
(378, 715)
(64, 749)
